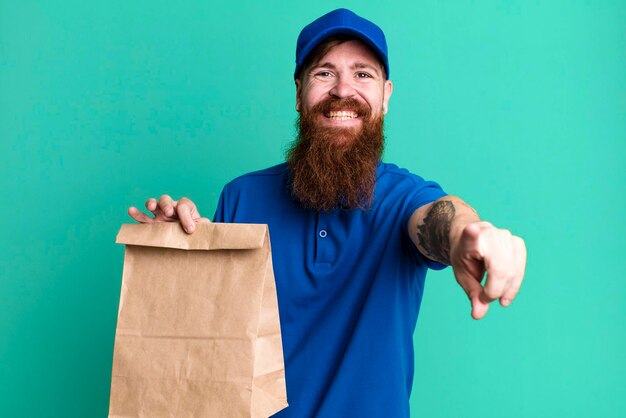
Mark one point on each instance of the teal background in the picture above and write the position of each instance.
(517, 106)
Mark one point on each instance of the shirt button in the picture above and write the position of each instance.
(323, 233)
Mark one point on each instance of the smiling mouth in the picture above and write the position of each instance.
(341, 115)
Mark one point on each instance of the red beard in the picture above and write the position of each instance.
(333, 167)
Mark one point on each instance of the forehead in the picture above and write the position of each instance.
(348, 51)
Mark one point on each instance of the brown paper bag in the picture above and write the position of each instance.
(198, 333)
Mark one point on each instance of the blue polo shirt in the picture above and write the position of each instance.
(349, 287)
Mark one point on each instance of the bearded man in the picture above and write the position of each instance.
(352, 236)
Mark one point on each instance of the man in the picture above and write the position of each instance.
(352, 237)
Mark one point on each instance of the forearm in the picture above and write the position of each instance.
(436, 228)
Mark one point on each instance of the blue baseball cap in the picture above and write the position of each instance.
(340, 22)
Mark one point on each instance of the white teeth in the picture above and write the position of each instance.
(342, 115)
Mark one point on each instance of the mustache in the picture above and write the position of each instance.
(333, 104)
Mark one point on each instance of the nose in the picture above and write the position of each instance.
(342, 88)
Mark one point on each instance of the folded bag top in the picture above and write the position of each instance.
(211, 236)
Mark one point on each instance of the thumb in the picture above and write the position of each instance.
(472, 230)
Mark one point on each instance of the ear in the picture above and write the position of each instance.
(387, 90)
(298, 94)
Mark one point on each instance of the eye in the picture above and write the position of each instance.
(323, 74)
(363, 74)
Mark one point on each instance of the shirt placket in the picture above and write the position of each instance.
(324, 254)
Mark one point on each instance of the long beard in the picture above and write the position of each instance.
(333, 167)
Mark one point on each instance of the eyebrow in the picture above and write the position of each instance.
(357, 65)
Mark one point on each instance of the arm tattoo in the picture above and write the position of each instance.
(434, 234)
(469, 207)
